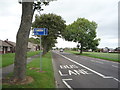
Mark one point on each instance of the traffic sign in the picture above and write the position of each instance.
(40, 31)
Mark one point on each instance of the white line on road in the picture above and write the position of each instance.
(29, 58)
(103, 76)
(62, 74)
(64, 81)
(97, 62)
(116, 79)
(109, 61)
(115, 66)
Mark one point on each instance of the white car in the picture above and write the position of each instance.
(61, 50)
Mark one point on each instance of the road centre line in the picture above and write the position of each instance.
(99, 74)
(109, 61)
(97, 61)
(29, 58)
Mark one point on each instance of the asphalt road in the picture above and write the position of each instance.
(75, 71)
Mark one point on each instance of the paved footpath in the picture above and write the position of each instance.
(8, 69)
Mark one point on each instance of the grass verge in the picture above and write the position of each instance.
(41, 79)
(106, 56)
(8, 59)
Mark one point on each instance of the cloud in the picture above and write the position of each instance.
(10, 18)
(63, 44)
(103, 12)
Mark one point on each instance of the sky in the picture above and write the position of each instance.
(103, 12)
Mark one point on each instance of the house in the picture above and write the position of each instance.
(111, 50)
(5, 47)
(9, 46)
(31, 46)
(107, 50)
(13, 44)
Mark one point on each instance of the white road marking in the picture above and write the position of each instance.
(61, 67)
(116, 79)
(29, 58)
(115, 66)
(74, 72)
(97, 61)
(68, 66)
(64, 81)
(99, 74)
(109, 61)
(62, 74)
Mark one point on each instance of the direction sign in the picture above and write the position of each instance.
(40, 31)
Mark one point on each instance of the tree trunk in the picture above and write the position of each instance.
(44, 49)
(81, 49)
(22, 41)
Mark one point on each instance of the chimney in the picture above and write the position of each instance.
(6, 39)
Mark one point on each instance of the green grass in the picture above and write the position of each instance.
(41, 79)
(8, 59)
(0, 60)
(106, 56)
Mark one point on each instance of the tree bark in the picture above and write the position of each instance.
(81, 49)
(22, 41)
(44, 49)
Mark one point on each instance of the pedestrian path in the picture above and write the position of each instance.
(8, 69)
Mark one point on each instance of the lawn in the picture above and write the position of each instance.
(41, 79)
(106, 56)
(8, 59)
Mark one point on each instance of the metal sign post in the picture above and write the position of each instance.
(40, 31)
(40, 55)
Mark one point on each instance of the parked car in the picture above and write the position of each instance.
(61, 50)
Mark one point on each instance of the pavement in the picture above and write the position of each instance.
(8, 69)
(75, 71)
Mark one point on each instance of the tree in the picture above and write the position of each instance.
(55, 24)
(28, 9)
(83, 32)
(34, 40)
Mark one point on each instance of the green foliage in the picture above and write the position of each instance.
(83, 32)
(34, 40)
(55, 24)
(37, 5)
(74, 49)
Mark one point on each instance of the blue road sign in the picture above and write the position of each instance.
(40, 31)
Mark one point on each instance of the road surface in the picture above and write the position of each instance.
(75, 71)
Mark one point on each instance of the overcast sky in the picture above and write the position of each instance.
(103, 12)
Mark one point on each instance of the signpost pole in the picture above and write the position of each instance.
(40, 31)
(40, 54)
